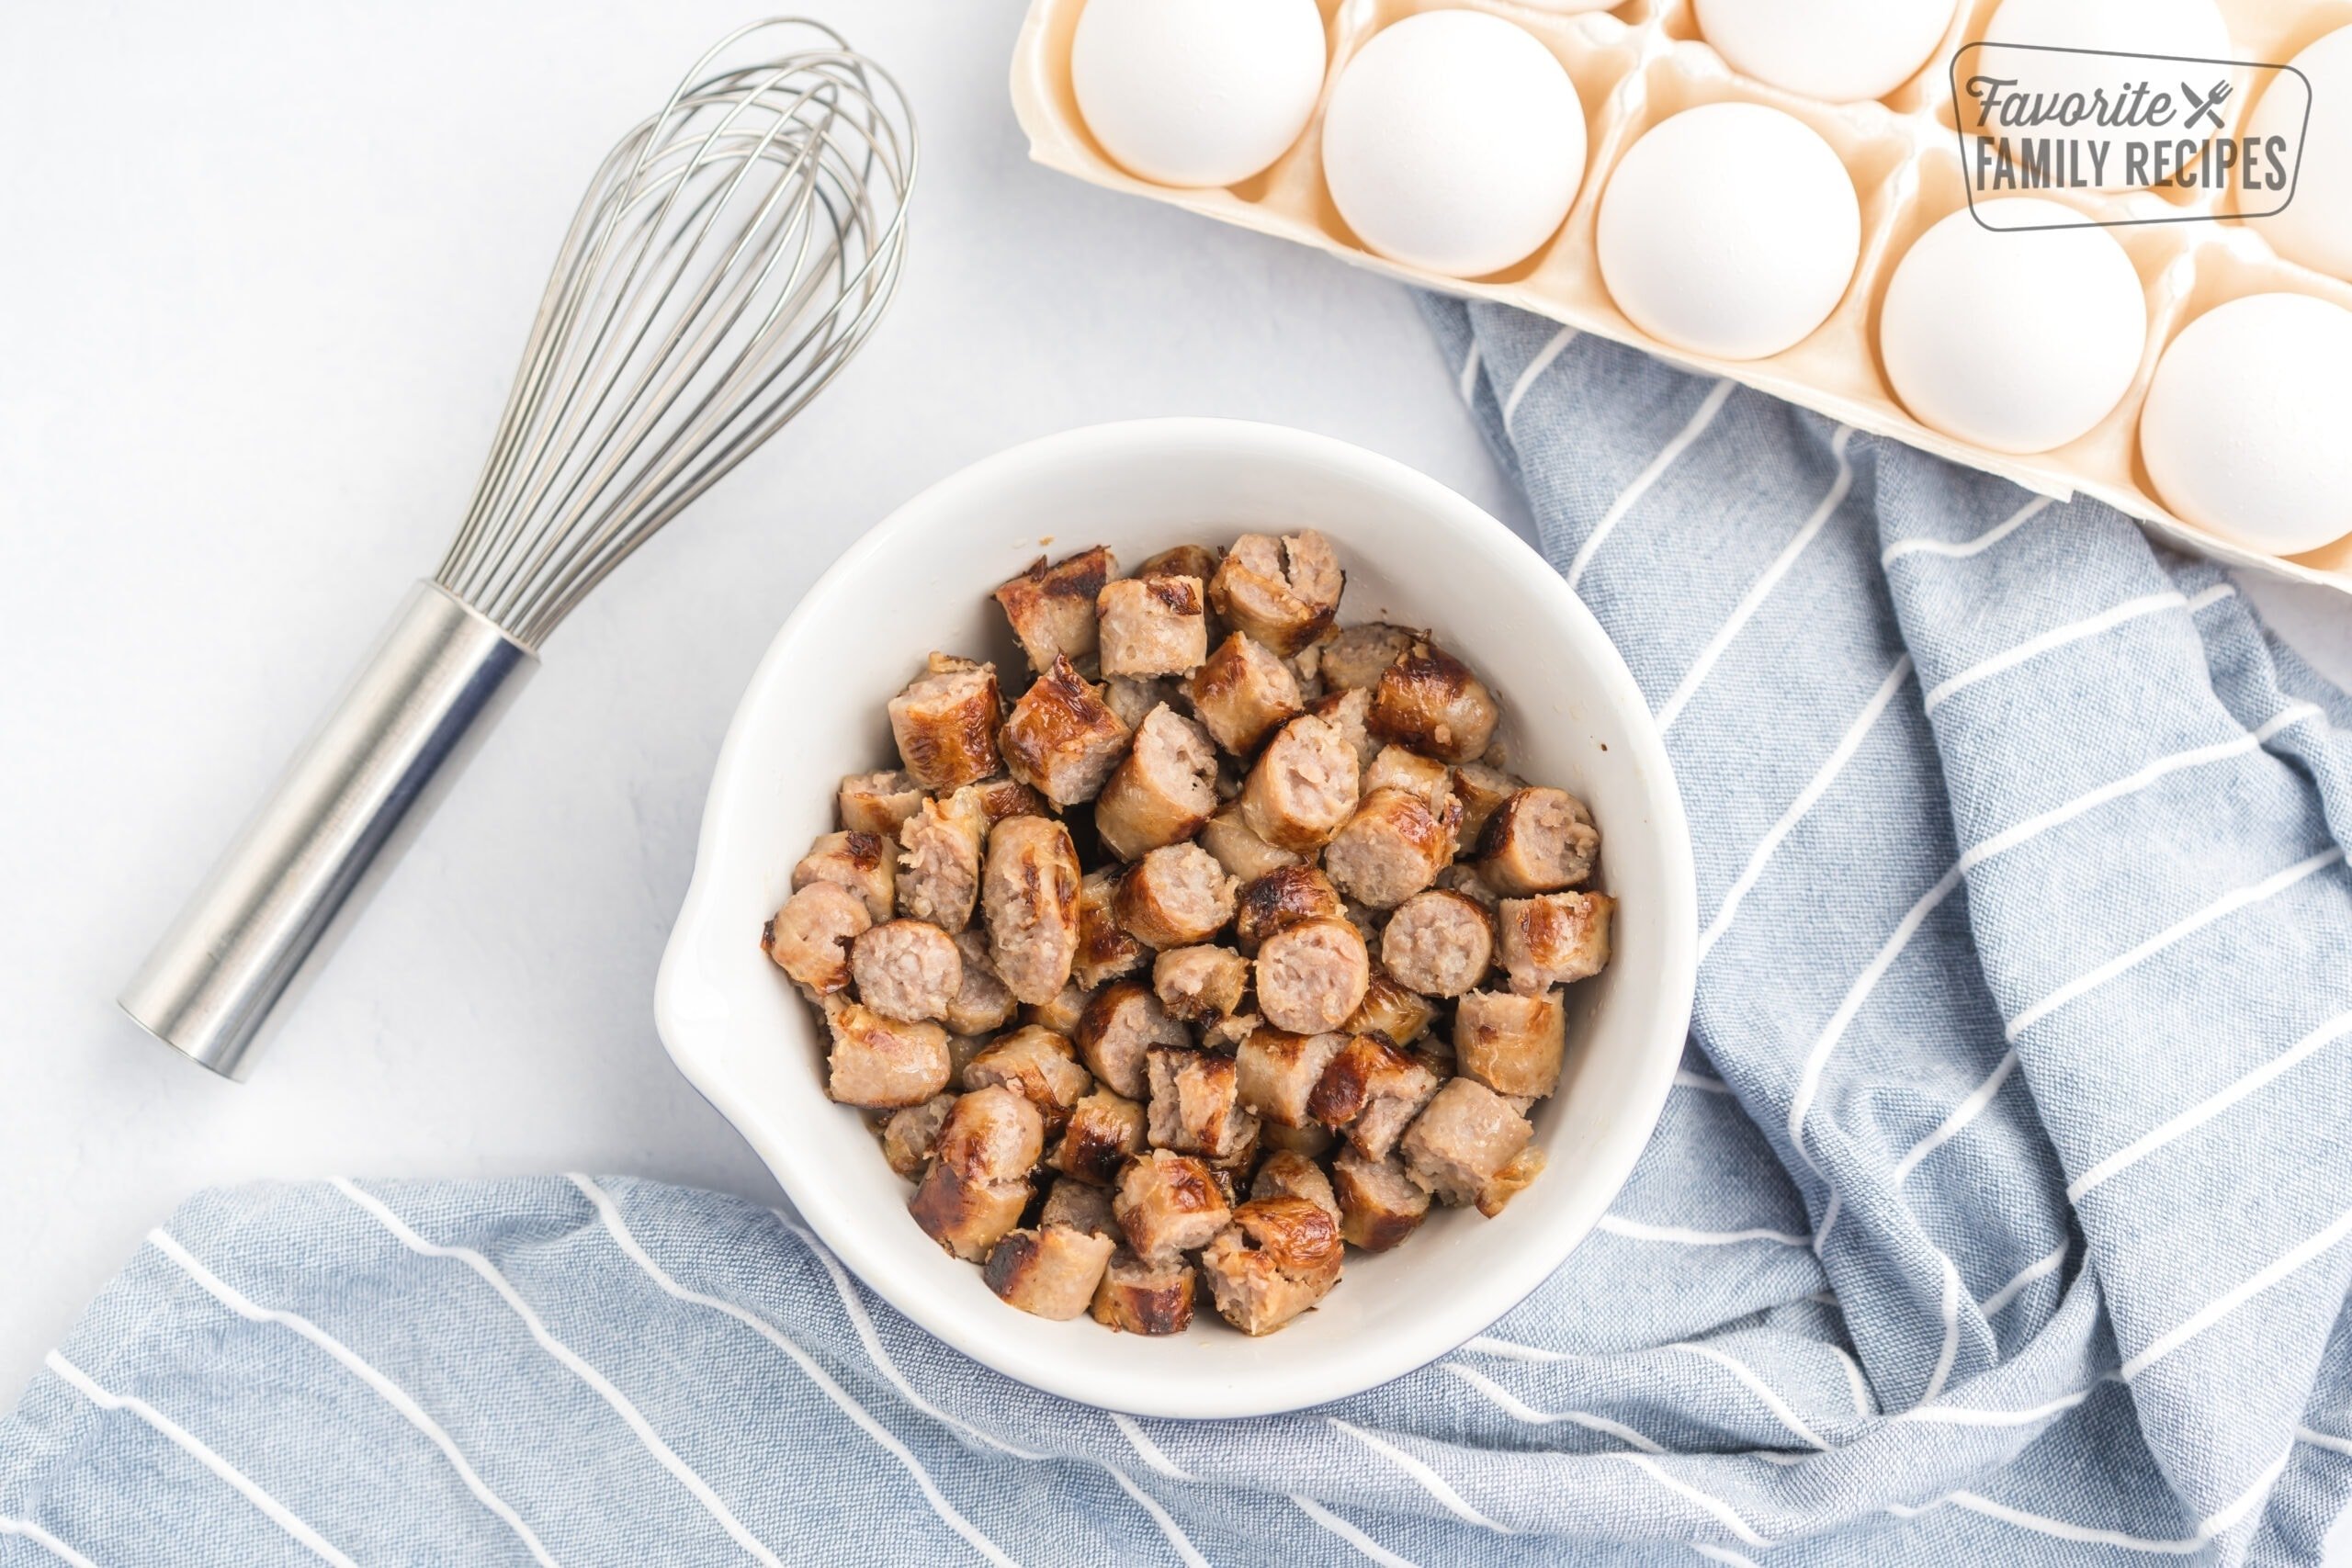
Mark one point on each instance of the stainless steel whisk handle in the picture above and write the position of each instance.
(365, 780)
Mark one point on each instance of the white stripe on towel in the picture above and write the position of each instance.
(2039, 1268)
(390, 1391)
(1834, 764)
(2228, 903)
(1701, 1082)
(1436, 1486)
(1950, 1351)
(1617, 1225)
(1779, 1407)
(46, 1541)
(1960, 550)
(2056, 637)
(2323, 1440)
(616, 1226)
(1468, 385)
(1967, 1110)
(195, 1447)
(1717, 1509)
(1708, 408)
(1703, 663)
(1185, 1551)
(1963, 1415)
(1534, 371)
(2207, 1109)
(1153, 1455)
(2238, 1295)
(1721, 1554)
(1351, 1535)
(1518, 1408)
(629, 1413)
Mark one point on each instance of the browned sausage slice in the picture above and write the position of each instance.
(1279, 1258)
(1510, 1182)
(1140, 1297)
(1513, 1043)
(1104, 1129)
(1312, 975)
(1539, 841)
(1174, 897)
(945, 723)
(859, 861)
(1037, 1065)
(1555, 939)
(1347, 712)
(1438, 943)
(907, 970)
(1061, 738)
(1062, 1013)
(1482, 789)
(1241, 691)
(1279, 1071)
(1280, 898)
(1169, 1203)
(1121, 1023)
(1392, 848)
(1227, 837)
(880, 1063)
(1371, 1091)
(878, 803)
(1429, 701)
(910, 1135)
(1199, 984)
(1356, 657)
(1152, 625)
(1302, 788)
(963, 1217)
(1029, 894)
(1104, 951)
(810, 938)
(1052, 1272)
(981, 1005)
(1462, 1140)
(1379, 1204)
(939, 864)
(1196, 1106)
(1287, 1174)
(1396, 1013)
(1052, 608)
(1282, 591)
(1163, 789)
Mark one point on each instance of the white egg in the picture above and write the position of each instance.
(2248, 429)
(1197, 91)
(2014, 340)
(1840, 50)
(1730, 230)
(2315, 228)
(2192, 29)
(1454, 142)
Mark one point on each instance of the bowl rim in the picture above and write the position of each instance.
(1364, 1366)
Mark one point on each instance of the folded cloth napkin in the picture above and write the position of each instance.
(1998, 1215)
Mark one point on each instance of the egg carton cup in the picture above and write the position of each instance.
(1643, 61)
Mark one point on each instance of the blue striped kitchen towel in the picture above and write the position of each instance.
(1998, 1216)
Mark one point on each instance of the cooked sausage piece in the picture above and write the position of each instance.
(1244, 854)
(1379, 1204)
(1061, 1014)
(1029, 894)
(1394, 767)
(908, 970)
(1133, 698)
(1061, 740)
(1122, 1022)
(1510, 1182)
(981, 1004)
(1302, 788)
(859, 861)
(1429, 701)
(1282, 897)
(1371, 1091)
(1196, 561)
(1052, 1272)
(939, 864)
(880, 1063)
(1079, 1206)
(1104, 951)
(878, 803)
(1394, 1012)
(1174, 897)
(1555, 939)
(1346, 712)
(1287, 1174)
(1152, 625)
(1312, 975)
(1001, 797)
(1356, 657)
(810, 938)
(1199, 984)
(1513, 1044)
(1462, 1140)
(1278, 1257)
(1462, 877)
(961, 1049)
(1052, 608)
(1162, 791)
(945, 723)
(1139, 1297)
(1539, 841)
(1037, 1065)
(1242, 692)
(1282, 591)
(1169, 1203)
(1482, 789)
(1310, 1138)
(965, 1217)
(1392, 848)
(1227, 1033)
(1104, 1129)
(1195, 1109)
(1278, 1071)
(910, 1135)
(1438, 943)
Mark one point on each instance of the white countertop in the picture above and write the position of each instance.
(272, 267)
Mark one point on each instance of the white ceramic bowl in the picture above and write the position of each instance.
(1415, 553)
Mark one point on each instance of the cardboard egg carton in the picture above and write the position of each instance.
(1646, 61)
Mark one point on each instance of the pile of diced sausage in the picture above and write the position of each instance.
(1227, 943)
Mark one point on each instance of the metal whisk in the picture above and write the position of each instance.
(731, 254)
